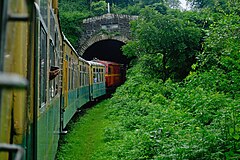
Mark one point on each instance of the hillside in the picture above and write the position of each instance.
(181, 97)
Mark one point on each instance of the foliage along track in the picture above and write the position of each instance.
(85, 134)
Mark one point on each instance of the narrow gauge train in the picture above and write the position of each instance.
(43, 81)
(115, 73)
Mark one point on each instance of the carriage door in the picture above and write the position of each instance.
(65, 81)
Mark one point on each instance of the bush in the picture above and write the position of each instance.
(187, 120)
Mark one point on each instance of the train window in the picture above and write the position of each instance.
(109, 70)
(102, 75)
(56, 41)
(73, 75)
(52, 56)
(52, 23)
(80, 73)
(76, 75)
(94, 76)
(69, 73)
(43, 67)
(44, 10)
(80, 78)
(84, 78)
(52, 63)
(84, 75)
(97, 74)
(87, 75)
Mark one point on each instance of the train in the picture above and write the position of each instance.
(43, 80)
(115, 74)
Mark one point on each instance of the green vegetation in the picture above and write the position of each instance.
(72, 14)
(85, 135)
(181, 99)
(187, 120)
(185, 107)
(165, 44)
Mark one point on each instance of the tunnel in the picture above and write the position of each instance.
(108, 50)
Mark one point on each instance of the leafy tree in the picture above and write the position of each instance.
(73, 5)
(99, 8)
(167, 44)
(173, 3)
(214, 5)
(71, 25)
(201, 3)
(72, 12)
(160, 7)
(129, 10)
(149, 2)
(221, 50)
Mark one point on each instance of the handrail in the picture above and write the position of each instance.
(13, 148)
(12, 81)
(17, 17)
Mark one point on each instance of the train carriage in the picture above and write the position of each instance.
(115, 73)
(75, 83)
(97, 80)
(14, 66)
(47, 54)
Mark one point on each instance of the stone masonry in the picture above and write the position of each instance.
(108, 26)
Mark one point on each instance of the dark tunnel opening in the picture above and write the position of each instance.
(108, 50)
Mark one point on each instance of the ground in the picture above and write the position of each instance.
(85, 134)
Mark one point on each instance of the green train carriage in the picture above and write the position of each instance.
(47, 53)
(97, 80)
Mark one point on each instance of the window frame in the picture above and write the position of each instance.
(43, 69)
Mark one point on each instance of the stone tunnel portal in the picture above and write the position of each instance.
(109, 50)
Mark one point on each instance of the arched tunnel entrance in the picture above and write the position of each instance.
(109, 50)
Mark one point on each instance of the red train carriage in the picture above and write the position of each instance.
(115, 73)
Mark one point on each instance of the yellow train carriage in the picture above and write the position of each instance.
(75, 82)
(15, 53)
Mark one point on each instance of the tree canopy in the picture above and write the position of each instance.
(169, 43)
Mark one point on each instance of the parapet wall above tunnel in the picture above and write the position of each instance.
(107, 26)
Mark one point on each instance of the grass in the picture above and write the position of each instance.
(85, 134)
